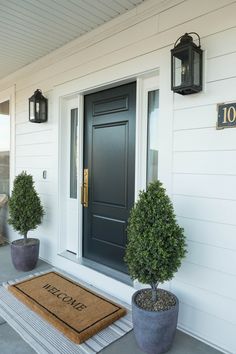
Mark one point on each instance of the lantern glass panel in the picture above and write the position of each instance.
(181, 68)
(32, 116)
(37, 107)
(196, 68)
(43, 111)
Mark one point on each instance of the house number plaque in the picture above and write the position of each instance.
(226, 116)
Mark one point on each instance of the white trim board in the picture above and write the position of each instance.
(9, 95)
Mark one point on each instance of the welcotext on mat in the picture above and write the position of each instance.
(75, 310)
(64, 297)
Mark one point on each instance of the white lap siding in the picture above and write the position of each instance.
(196, 161)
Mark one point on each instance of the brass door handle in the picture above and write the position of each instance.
(84, 189)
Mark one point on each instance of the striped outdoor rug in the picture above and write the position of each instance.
(44, 338)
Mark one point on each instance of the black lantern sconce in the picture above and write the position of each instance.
(38, 108)
(186, 65)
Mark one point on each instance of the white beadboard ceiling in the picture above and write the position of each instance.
(30, 29)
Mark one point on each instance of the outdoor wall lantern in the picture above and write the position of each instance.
(186, 65)
(38, 108)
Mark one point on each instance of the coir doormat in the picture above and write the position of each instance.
(73, 309)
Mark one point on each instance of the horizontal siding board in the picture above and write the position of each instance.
(100, 76)
(205, 301)
(215, 92)
(43, 162)
(45, 149)
(35, 138)
(46, 187)
(205, 162)
(28, 127)
(211, 43)
(223, 260)
(49, 220)
(209, 233)
(43, 232)
(208, 279)
(47, 201)
(198, 322)
(209, 186)
(222, 67)
(216, 210)
(207, 139)
(195, 117)
(187, 11)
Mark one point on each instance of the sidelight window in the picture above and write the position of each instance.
(73, 153)
(4, 147)
(152, 133)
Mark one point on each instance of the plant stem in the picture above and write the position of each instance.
(25, 237)
(154, 291)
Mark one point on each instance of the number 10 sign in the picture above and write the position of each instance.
(226, 115)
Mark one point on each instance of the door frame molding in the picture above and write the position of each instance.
(61, 93)
(10, 95)
(62, 111)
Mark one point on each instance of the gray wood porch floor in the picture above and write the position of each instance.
(12, 343)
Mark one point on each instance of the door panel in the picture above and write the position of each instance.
(109, 156)
(114, 136)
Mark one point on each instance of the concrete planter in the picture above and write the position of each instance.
(154, 331)
(25, 255)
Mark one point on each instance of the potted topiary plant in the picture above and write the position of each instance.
(25, 214)
(156, 246)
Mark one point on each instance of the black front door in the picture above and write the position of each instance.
(109, 156)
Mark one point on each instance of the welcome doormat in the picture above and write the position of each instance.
(76, 311)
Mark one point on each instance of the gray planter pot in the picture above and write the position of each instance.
(25, 255)
(154, 330)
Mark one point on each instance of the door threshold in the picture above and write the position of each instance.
(112, 273)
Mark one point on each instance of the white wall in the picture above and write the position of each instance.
(197, 161)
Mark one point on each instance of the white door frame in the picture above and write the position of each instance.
(9, 95)
(140, 141)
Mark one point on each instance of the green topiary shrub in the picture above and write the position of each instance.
(156, 244)
(25, 209)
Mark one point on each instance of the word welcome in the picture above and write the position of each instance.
(64, 297)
